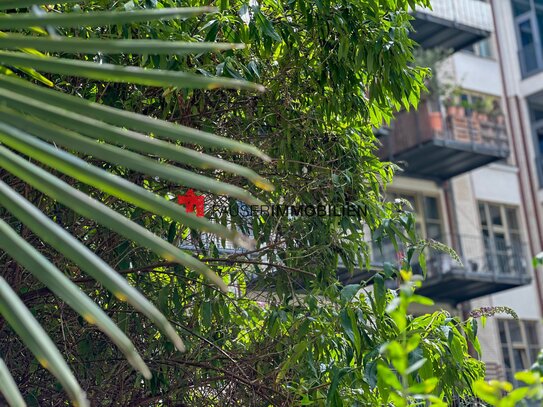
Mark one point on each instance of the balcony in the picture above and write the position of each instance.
(452, 24)
(488, 268)
(429, 144)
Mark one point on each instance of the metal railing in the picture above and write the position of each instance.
(468, 12)
(416, 127)
(476, 131)
(482, 255)
(479, 254)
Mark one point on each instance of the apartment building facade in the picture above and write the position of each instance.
(472, 161)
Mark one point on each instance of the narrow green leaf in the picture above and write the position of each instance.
(81, 46)
(73, 249)
(97, 18)
(380, 293)
(8, 388)
(119, 136)
(122, 118)
(115, 185)
(9, 4)
(90, 208)
(56, 281)
(32, 334)
(13, 137)
(122, 74)
(415, 366)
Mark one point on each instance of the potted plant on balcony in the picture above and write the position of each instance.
(481, 107)
(436, 121)
(456, 108)
(496, 113)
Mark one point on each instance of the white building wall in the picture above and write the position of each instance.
(498, 183)
(477, 74)
(517, 90)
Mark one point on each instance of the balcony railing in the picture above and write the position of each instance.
(488, 266)
(466, 12)
(481, 256)
(434, 145)
(452, 24)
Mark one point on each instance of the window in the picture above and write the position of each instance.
(482, 49)
(519, 344)
(429, 222)
(529, 25)
(504, 251)
(537, 126)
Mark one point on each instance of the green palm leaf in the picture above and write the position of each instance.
(9, 4)
(8, 387)
(25, 20)
(78, 46)
(115, 155)
(35, 120)
(122, 74)
(130, 120)
(58, 238)
(56, 281)
(23, 322)
(122, 137)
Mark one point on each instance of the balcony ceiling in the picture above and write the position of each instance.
(459, 285)
(431, 31)
(455, 286)
(443, 159)
(356, 277)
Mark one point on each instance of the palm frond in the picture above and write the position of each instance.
(35, 121)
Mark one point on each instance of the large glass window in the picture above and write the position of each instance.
(519, 344)
(529, 24)
(502, 238)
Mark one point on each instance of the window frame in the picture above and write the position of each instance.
(537, 125)
(530, 350)
(419, 209)
(494, 253)
(530, 16)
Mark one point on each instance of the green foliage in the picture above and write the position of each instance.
(288, 333)
(27, 138)
(503, 393)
